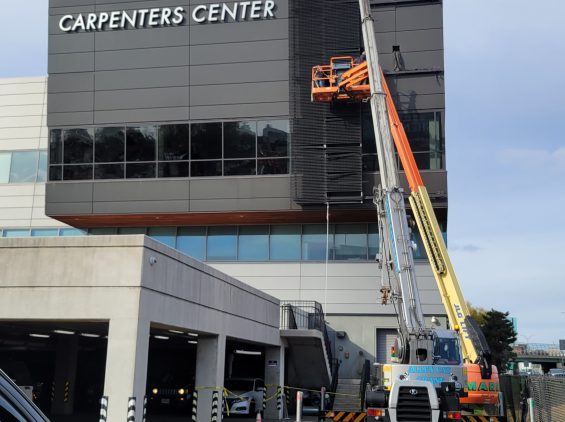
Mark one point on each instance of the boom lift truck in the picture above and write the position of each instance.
(346, 80)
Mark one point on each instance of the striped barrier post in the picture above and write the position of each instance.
(215, 400)
(194, 405)
(131, 409)
(279, 398)
(144, 408)
(103, 409)
(264, 399)
(287, 399)
(53, 391)
(66, 392)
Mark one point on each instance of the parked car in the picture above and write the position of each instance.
(245, 395)
(557, 372)
(15, 405)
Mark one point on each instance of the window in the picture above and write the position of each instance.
(174, 169)
(166, 235)
(272, 138)
(77, 172)
(239, 167)
(109, 144)
(140, 170)
(77, 146)
(253, 243)
(42, 170)
(272, 166)
(141, 143)
(205, 168)
(44, 232)
(5, 161)
(239, 139)
(55, 147)
(285, 243)
(350, 242)
(206, 141)
(15, 233)
(173, 142)
(314, 242)
(192, 242)
(103, 231)
(24, 167)
(72, 232)
(373, 239)
(108, 171)
(222, 244)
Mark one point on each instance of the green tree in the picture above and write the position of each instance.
(500, 335)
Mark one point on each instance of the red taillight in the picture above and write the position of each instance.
(453, 415)
(371, 411)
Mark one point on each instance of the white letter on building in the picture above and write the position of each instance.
(91, 22)
(102, 19)
(179, 15)
(166, 14)
(62, 23)
(114, 20)
(154, 17)
(142, 14)
(128, 19)
(213, 12)
(269, 7)
(256, 10)
(227, 11)
(79, 23)
(244, 5)
(195, 13)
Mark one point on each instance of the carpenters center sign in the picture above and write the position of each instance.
(167, 16)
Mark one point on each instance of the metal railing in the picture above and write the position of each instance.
(306, 315)
(538, 349)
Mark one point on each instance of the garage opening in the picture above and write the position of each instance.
(171, 373)
(59, 364)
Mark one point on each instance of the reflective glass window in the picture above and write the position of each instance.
(272, 166)
(24, 167)
(239, 139)
(192, 242)
(109, 171)
(205, 168)
(166, 235)
(15, 233)
(109, 144)
(314, 242)
(102, 231)
(55, 172)
(173, 142)
(285, 243)
(132, 230)
(273, 138)
(253, 243)
(239, 167)
(350, 241)
(205, 141)
(174, 169)
(222, 243)
(42, 169)
(72, 232)
(141, 143)
(424, 130)
(420, 251)
(55, 147)
(78, 172)
(77, 146)
(5, 160)
(44, 232)
(368, 143)
(140, 170)
(373, 239)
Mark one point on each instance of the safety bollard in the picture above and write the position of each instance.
(103, 409)
(279, 398)
(131, 409)
(299, 397)
(264, 399)
(144, 408)
(194, 405)
(215, 404)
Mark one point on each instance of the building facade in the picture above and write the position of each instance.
(191, 122)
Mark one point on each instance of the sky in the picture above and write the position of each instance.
(505, 99)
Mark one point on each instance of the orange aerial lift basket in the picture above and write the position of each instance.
(344, 79)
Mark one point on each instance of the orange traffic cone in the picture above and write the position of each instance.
(258, 418)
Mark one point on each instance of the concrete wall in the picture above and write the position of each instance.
(23, 113)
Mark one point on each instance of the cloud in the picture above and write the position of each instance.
(548, 159)
(467, 247)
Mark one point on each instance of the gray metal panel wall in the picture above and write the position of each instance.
(189, 72)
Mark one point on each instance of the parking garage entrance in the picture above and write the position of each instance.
(60, 365)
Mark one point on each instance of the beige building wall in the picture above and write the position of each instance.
(23, 114)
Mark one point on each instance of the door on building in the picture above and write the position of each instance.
(385, 340)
